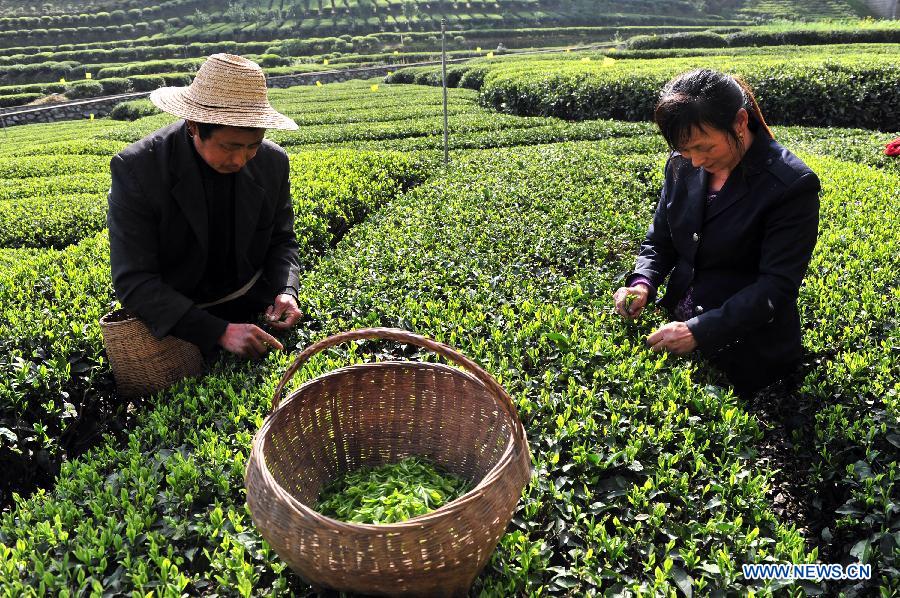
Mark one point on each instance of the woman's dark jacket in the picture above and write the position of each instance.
(159, 239)
(745, 255)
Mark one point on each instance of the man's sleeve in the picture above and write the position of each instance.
(282, 266)
(657, 255)
(787, 246)
(134, 259)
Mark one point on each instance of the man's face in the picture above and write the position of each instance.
(229, 148)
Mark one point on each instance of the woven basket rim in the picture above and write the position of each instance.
(420, 521)
(104, 321)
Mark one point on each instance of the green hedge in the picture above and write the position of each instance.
(851, 391)
(62, 184)
(12, 171)
(878, 52)
(18, 99)
(53, 222)
(150, 67)
(850, 90)
(751, 37)
(40, 72)
(113, 86)
(133, 110)
(42, 88)
(814, 37)
(84, 89)
(699, 39)
(82, 147)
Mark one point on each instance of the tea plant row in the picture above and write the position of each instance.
(646, 479)
(849, 90)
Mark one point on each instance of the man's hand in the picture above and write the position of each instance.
(284, 313)
(631, 301)
(248, 340)
(674, 337)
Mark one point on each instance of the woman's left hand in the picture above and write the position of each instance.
(674, 337)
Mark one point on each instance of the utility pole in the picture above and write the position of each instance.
(444, 83)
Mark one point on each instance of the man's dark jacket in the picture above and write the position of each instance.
(158, 228)
(745, 255)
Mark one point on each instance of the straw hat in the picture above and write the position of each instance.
(227, 90)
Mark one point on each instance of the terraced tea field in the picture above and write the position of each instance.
(651, 476)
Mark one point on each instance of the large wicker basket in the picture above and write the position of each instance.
(141, 363)
(379, 413)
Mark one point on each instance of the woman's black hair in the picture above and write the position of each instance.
(708, 99)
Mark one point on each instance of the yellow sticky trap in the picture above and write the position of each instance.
(478, 49)
(318, 84)
(390, 73)
(325, 61)
(88, 75)
(607, 61)
(396, 52)
(62, 80)
(490, 54)
(92, 117)
(568, 50)
(375, 87)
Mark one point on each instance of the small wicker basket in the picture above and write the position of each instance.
(141, 363)
(377, 413)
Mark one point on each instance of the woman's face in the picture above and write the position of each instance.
(710, 149)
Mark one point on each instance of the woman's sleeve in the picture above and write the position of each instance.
(791, 230)
(657, 255)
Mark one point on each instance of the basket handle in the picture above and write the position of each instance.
(403, 336)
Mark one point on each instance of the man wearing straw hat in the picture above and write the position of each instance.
(201, 227)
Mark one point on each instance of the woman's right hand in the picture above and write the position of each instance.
(631, 301)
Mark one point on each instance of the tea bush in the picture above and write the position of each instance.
(133, 110)
(88, 147)
(688, 39)
(18, 99)
(644, 477)
(56, 222)
(649, 476)
(851, 389)
(41, 138)
(53, 185)
(39, 88)
(784, 52)
(797, 36)
(847, 95)
(51, 165)
(849, 90)
(84, 89)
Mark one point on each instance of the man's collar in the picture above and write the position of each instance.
(206, 171)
